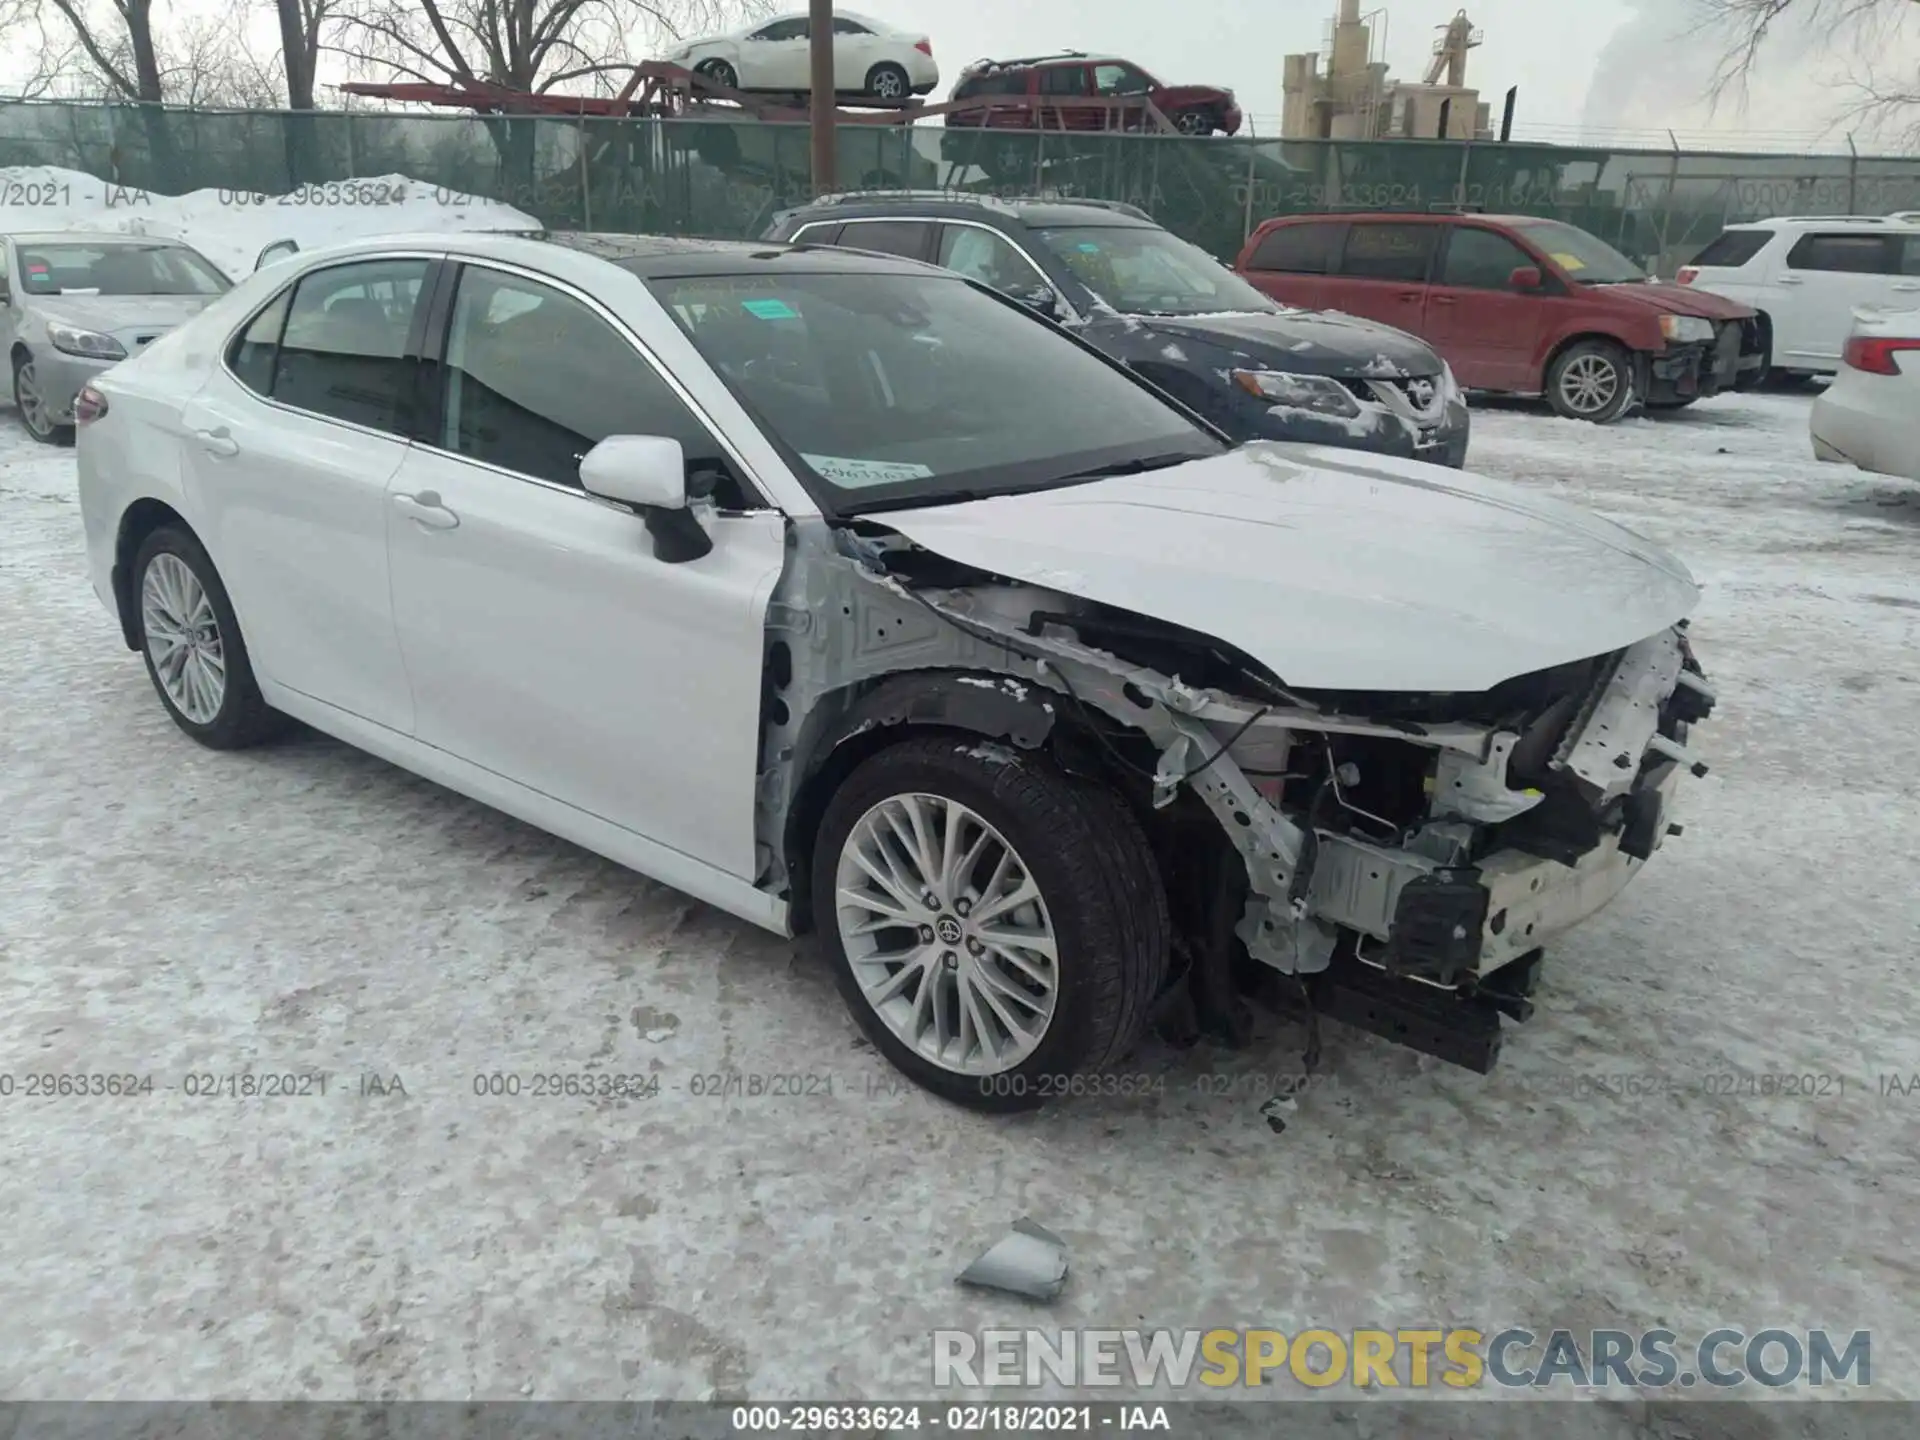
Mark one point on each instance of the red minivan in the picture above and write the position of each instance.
(1516, 304)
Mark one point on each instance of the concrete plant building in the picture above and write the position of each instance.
(1344, 92)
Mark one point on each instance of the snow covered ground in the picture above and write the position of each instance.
(169, 911)
(231, 227)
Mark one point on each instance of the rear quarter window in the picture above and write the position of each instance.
(1733, 249)
(1298, 249)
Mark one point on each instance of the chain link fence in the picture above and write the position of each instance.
(729, 178)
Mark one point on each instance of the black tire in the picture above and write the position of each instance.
(244, 718)
(888, 81)
(47, 433)
(1575, 390)
(1193, 122)
(1085, 851)
(719, 72)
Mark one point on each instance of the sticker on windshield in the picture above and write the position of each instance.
(1087, 247)
(858, 474)
(770, 309)
(1568, 263)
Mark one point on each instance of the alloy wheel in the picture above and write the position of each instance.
(947, 934)
(889, 85)
(1192, 122)
(33, 406)
(183, 638)
(1589, 384)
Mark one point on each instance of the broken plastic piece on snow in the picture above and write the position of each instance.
(1029, 1260)
(1276, 1110)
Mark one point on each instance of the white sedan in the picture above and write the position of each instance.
(844, 594)
(1870, 415)
(869, 58)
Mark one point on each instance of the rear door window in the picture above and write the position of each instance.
(1852, 254)
(909, 238)
(344, 350)
(1734, 249)
(1380, 251)
(1910, 255)
(1065, 80)
(1309, 249)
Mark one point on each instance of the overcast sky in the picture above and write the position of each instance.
(1603, 67)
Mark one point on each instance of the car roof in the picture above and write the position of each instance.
(923, 205)
(648, 256)
(1826, 222)
(88, 237)
(1446, 217)
(1065, 57)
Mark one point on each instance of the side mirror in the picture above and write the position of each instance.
(1043, 303)
(648, 473)
(278, 250)
(1527, 277)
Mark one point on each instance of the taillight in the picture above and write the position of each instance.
(1875, 354)
(1688, 274)
(89, 405)
(925, 47)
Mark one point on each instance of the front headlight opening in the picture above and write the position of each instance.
(88, 343)
(1686, 329)
(1315, 393)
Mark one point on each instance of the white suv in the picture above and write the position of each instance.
(1808, 274)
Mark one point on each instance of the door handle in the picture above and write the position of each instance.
(425, 510)
(218, 442)
(1791, 280)
(1903, 289)
(1445, 300)
(1410, 295)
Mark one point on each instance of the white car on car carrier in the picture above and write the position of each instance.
(869, 58)
(844, 594)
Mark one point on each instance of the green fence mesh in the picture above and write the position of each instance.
(729, 179)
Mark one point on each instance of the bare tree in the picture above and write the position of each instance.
(527, 45)
(1870, 29)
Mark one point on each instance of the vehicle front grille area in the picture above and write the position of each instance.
(1420, 398)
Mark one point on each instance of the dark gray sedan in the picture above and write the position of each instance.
(72, 304)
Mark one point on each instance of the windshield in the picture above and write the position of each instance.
(1142, 271)
(117, 270)
(1584, 257)
(896, 390)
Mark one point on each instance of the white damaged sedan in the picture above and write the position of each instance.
(847, 596)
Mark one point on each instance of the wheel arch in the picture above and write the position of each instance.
(137, 522)
(1577, 337)
(991, 707)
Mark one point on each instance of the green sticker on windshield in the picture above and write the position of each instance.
(770, 309)
(1087, 247)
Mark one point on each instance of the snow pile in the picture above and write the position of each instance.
(229, 227)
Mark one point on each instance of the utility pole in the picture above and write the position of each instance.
(821, 112)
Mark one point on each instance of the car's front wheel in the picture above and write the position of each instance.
(1194, 122)
(36, 411)
(720, 73)
(1591, 381)
(192, 644)
(997, 927)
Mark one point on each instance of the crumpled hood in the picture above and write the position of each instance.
(1312, 342)
(1682, 300)
(113, 313)
(1338, 571)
